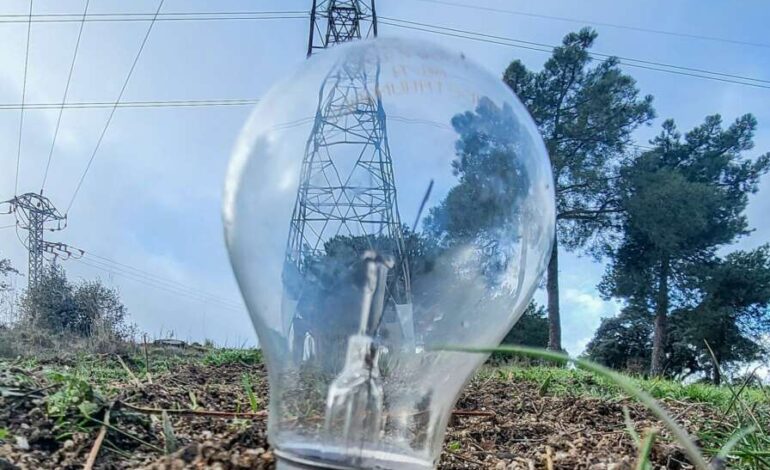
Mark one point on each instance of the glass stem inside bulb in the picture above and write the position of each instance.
(354, 406)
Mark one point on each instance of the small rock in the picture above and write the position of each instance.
(22, 443)
(6, 465)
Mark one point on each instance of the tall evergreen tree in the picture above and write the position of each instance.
(586, 115)
(681, 201)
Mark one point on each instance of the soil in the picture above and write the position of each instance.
(529, 429)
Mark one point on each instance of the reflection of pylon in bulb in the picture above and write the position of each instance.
(354, 309)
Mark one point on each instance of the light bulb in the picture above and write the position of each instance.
(388, 200)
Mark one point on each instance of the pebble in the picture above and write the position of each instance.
(22, 443)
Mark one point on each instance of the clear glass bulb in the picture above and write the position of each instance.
(388, 200)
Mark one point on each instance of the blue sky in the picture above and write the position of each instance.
(152, 197)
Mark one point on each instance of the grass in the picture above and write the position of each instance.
(219, 357)
(738, 438)
(563, 381)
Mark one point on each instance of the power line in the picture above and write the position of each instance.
(23, 98)
(596, 23)
(149, 283)
(149, 277)
(593, 54)
(132, 104)
(170, 16)
(7, 226)
(112, 112)
(540, 47)
(64, 99)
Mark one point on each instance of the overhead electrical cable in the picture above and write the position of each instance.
(624, 59)
(186, 294)
(23, 98)
(597, 23)
(114, 107)
(64, 99)
(548, 48)
(169, 16)
(155, 278)
(133, 104)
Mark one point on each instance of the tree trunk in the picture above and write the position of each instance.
(661, 320)
(552, 286)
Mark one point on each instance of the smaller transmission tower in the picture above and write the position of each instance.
(35, 214)
(336, 21)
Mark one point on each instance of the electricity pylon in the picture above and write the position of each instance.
(35, 214)
(347, 188)
(336, 21)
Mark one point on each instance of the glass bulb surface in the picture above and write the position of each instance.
(388, 200)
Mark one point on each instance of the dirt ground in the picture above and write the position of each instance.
(529, 428)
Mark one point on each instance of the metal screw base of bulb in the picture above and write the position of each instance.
(291, 462)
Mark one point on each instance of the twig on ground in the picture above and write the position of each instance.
(130, 373)
(473, 413)
(212, 414)
(98, 442)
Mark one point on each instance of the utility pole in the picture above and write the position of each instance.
(36, 214)
(347, 187)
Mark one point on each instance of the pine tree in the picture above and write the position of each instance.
(681, 201)
(586, 115)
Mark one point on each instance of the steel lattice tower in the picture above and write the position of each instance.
(336, 21)
(35, 214)
(347, 186)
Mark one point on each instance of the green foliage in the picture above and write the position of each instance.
(682, 201)
(492, 180)
(219, 357)
(170, 442)
(738, 439)
(625, 384)
(623, 342)
(530, 330)
(86, 309)
(5, 270)
(254, 401)
(645, 449)
(586, 115)
(75, 395)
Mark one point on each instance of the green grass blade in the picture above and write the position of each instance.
(249, 389)
(733, 441)
(643, 463)
(630, 427)
(622, 382)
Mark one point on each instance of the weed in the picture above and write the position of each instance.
(218, 357)
(169, 438)
(254, 401)
(193, 400)
(74, 394)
